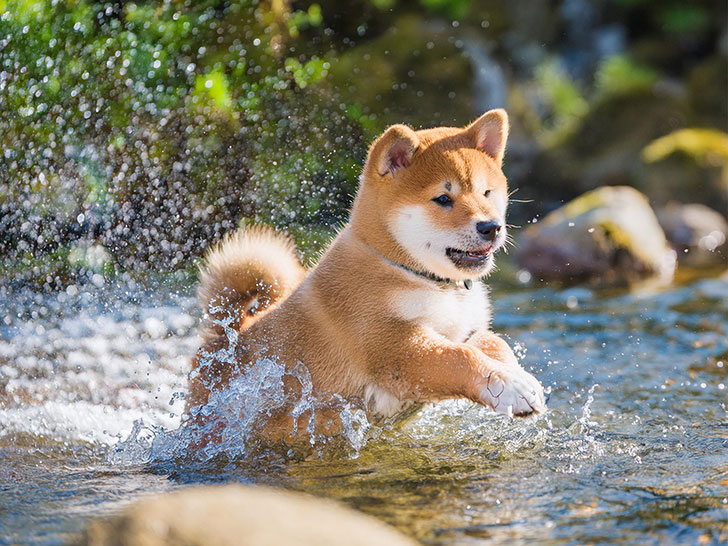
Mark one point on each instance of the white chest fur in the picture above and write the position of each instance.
(450, 312)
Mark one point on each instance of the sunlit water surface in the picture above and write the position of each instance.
(633, 450)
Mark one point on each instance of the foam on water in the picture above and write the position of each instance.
(87, 371)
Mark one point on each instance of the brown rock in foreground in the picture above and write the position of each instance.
(237, 515)
(609, 234)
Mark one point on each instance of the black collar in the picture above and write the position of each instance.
(467, 283)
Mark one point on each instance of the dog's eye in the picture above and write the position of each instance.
(487, 193)
(443, 200)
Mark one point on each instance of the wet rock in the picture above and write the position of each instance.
(609, 234)
(698, 233)
(706, 85)
(605, 148)
(238, 515)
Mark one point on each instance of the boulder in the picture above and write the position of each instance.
(698, 233)
(238, 515)
(609, 234)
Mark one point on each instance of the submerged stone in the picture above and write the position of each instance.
(238, 515)
(609, 234)
(698, 233)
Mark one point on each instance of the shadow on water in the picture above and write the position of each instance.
(633, 449)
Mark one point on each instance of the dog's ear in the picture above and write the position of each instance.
(489, 134)
(393, 150)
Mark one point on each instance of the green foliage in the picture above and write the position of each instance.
(454, 9)
(213, 89)
(300, 20)
(384, 4)
(141, 126)
(560, 94)
(675, 17)
(620, 75)
(684, 17)
(309, 73)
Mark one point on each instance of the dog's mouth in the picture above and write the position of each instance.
(469, 259)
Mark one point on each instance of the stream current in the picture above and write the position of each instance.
(634, 448)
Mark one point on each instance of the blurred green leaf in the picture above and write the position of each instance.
(560, 93)
(213, 88)
(620, 75)
(313, 71)
(454, 9)
(684, 18)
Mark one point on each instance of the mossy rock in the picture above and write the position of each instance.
(706, 85)
(605, 148)
(609, 235)
(680, 177)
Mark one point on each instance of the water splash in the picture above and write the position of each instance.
(585, 424)
(231, 427)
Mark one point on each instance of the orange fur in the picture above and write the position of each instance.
(246, 273)
(366, 326)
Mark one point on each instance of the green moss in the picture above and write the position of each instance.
(213, 88)
(581, 205)
(703, 145)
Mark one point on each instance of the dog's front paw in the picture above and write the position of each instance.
(512, 391)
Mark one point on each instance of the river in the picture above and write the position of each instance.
(634, 448)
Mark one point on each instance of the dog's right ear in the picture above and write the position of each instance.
(393, 150)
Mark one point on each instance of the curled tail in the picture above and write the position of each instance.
(246, 274)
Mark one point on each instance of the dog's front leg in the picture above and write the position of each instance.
(518, 386)
(494, 346)
(428, 367)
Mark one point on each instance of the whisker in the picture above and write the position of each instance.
(512, 192)
(508, 242)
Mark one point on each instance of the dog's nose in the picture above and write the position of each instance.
(489, 230)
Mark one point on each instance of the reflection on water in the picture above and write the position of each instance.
(634, 448)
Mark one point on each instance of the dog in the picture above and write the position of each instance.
(394, 311)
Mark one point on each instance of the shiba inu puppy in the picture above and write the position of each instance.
(393, 312)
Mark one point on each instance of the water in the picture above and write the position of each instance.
(633, 450)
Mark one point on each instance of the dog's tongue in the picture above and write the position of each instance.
(476, 253)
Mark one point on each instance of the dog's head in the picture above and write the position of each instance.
(440, 194)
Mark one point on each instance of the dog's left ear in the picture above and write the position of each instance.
(489, 133)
